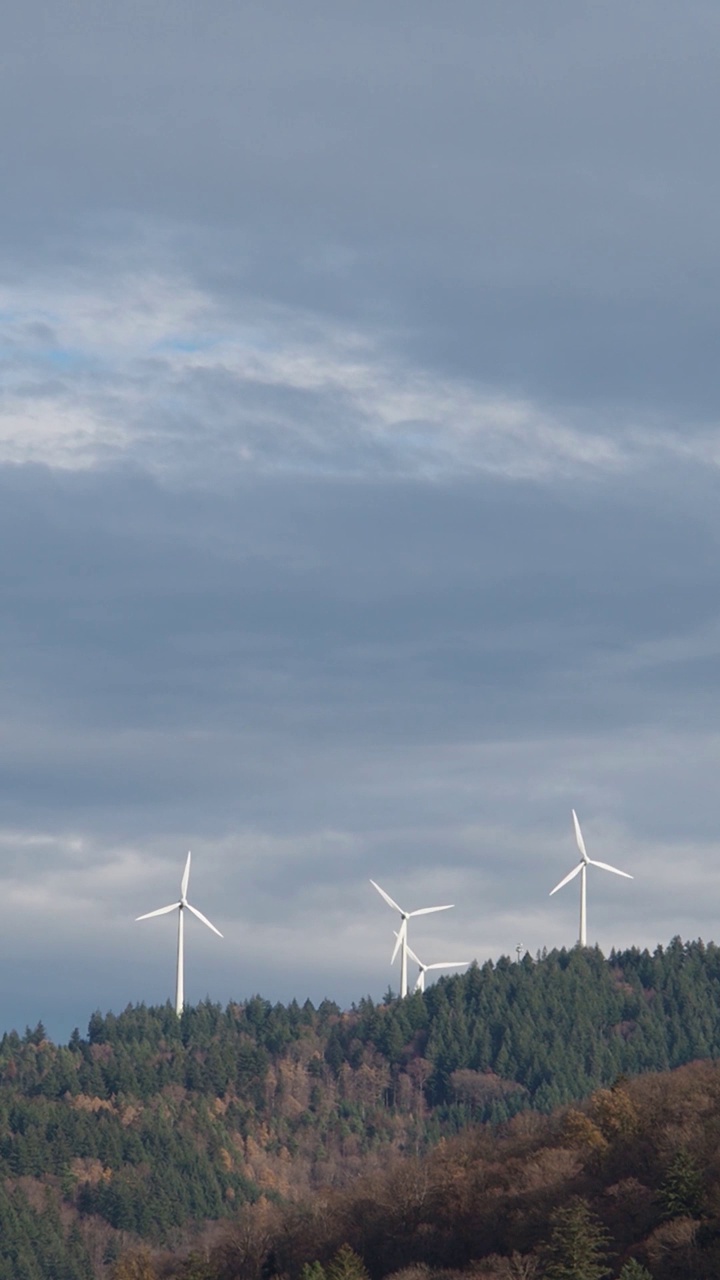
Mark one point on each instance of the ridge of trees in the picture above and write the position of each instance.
(151, 1125)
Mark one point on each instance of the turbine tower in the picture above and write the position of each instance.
(180, 908)
(401, 935)
(441, 964)
(581, 870)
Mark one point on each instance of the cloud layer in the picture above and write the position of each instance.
(358, 471)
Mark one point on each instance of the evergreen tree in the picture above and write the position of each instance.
(682, 1193)
(578, 1245)
(313, 1271)
(634, 1270)
(346, 1265)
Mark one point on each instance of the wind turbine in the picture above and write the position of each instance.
(401, 935)
(581, 870)
(180, 908)
(441, 964)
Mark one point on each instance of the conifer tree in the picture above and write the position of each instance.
(346, 1265)
(313, 1271)
(681, 1193)
(577, 1249)
(634, 1270)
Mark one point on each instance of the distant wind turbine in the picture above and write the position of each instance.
(401, 935)
(581, 870)
(180, 908)
(441, 964)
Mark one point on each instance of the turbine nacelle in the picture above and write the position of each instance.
(180, 906)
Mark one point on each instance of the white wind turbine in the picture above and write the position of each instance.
(581, 870)
(180, 908)
(441, 964)
(401, 935)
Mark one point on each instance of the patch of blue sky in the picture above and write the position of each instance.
(41, 360)
(252, 338)
(62, 357)
(25, 363)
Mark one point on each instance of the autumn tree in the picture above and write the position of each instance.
(519, 1266)
(134, 1266)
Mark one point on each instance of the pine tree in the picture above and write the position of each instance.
(313, 1271)
(634, 1270)
(577, 1249)
(681, 1193)
(346, 1265)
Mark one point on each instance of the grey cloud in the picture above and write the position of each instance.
(453, 570)
(371, 358)
(529, 200)
(131, 605)
(210, 660)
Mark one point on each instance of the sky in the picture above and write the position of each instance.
(359, 462)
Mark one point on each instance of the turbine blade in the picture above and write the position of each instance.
(185, 879)
(448, 964)
(571, 876)
(204, 919)
(412, 956)
(606, 867)
(390, 901)
(426, 911)
(161, 911)
(419, 986)
(400, 938)
(579, 837)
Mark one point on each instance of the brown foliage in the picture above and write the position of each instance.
(88, 1169)
(82, 1102)
(247, 1244)
(582, 1133)
(135, 1266)
(420, 1271)
(671, 1239)
(615, 1113)
(480, 1203)
(548, 1168)
(518, 1266)
(476, 1088)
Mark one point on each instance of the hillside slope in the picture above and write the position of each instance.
(151, 1126)
(625, 1185)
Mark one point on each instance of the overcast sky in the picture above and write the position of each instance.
(359, 462)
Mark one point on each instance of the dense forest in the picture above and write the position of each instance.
(624, 1185)
(179, 1135)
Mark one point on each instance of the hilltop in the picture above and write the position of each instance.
(152, 1127)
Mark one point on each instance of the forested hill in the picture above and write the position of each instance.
(151, 1124)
